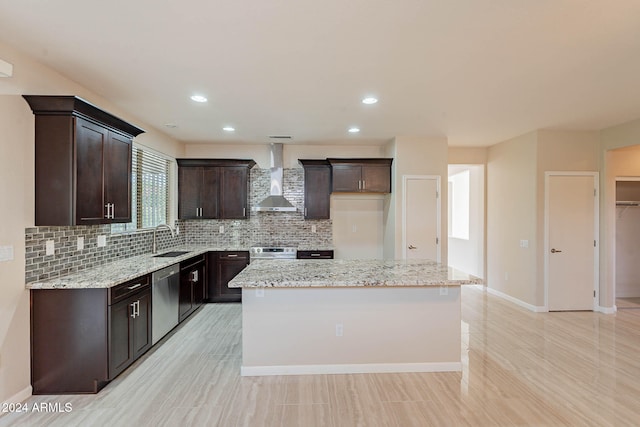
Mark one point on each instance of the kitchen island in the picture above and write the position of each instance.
(350, 316)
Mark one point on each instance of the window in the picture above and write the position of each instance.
(149, 190)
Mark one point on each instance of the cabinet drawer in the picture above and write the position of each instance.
(233, 255)
(123, 290)
(327, 254)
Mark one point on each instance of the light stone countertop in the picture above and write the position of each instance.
(349, 273)
(122, 270)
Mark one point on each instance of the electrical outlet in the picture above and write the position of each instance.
(49, 247)
(524, 243)
(102, 241)
(259, 292)
(444, 290)
(339, 329)
(80, 243)
(221, 229)
(6, 253)
(314, 229)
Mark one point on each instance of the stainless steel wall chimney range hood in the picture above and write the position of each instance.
(276, 201)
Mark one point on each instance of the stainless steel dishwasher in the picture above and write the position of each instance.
(165, 294)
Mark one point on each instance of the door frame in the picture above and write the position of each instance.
(596, 227)
(437, 178)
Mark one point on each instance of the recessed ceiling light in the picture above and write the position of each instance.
(369, 100)
(170, 125)
(354, 130)
(199, 98)
(228, 129)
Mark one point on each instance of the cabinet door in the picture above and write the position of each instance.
(346, 178)
(91, 141)
(233, 192)
(376, 179)
(209, 193)
(317, 192)
(117, 174)
(199, 285)
(120, 336)
(229, 264)
(186, 295)
(189, 185)
(142, 324)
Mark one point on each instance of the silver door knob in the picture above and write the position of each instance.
(413, 247)
(553, 251)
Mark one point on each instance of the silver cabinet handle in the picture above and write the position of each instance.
(244, 211)
(305, 211)
(232, 255)
(109, 207)
(364, 184)
(194, 276)
(137, 285)
(133, 310)
(113, 210)
(359, 185)
(315, 254)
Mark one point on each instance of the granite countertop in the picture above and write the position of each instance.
(349, 273)
(114, 273)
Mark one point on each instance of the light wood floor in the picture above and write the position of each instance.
(520, 368)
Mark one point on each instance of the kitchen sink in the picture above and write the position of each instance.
(171, 254)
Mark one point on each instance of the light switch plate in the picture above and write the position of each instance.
(6, 253)
(314, 229)
(102, 241)
(49, 247)
(80, 243)
(221, 229)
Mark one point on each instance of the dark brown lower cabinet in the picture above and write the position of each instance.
(129, 331)
(192, 285)
(224, 266)
(81, 339)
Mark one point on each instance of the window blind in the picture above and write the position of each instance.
(149, 190)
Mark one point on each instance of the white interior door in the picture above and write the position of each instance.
(570, 244)
(421, 225)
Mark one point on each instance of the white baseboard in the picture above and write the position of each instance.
(368, 368)
(606, 310)
(530, 307)
(19, 397)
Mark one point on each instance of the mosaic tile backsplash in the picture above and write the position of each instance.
(262, 228)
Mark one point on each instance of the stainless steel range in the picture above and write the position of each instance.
(262, 252)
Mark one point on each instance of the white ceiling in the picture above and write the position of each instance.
(475, 71)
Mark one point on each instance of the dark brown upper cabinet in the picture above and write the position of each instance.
(213, 188)
(317, 188)
(361, 175)
(82, 162)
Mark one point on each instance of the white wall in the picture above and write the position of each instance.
(511, 216)
(291, 152)
(414, 156)
(358, 227)
(515, 205)
(17, 194)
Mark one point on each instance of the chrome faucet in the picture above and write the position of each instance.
(154, 248)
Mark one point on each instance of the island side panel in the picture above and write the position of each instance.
(385, 329)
